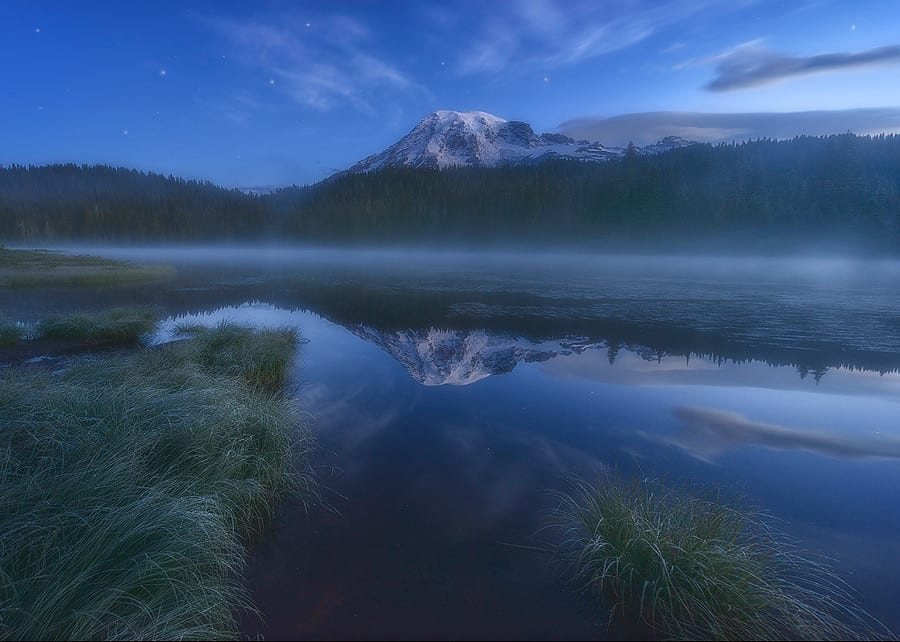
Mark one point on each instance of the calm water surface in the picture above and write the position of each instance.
(450, 392)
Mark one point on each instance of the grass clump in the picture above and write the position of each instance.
(259, 359)
(43, 268)
(691, 567)
(128, 485)
(10, 333)
(117, 326)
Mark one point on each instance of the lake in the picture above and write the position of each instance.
(450, 392)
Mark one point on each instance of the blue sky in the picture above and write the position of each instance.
(274, 93)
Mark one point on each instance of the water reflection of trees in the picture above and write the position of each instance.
(389, 308)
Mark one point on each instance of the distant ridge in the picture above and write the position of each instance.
(479, 139)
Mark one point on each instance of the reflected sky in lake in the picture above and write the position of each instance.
(709, 431)
(449, 395)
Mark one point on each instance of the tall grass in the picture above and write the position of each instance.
(128, 485)
(10, 333)
(116, 326)
(693, 567)
(260, 359)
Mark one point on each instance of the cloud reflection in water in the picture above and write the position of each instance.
(706, 432)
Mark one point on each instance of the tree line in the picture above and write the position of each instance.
(101, 203)
(840, 188)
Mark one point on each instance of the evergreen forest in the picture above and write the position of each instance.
(834, 190)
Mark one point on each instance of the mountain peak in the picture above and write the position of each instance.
(448, 138)
(468, 117)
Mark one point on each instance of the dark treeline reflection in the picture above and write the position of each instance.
(830, 191)
(809, 337)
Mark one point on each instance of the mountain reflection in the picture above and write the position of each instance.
(436, 357)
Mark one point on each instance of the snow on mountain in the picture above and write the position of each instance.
(436, 357)
(478, 139)
(664, 145)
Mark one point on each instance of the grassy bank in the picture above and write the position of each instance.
(129, 484)
(43, 268)
(693, 567)
(10, 333)
(77, 332)
(116, 326)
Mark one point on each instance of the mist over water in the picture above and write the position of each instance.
(806, 265)
(813, 313)
(451, 389)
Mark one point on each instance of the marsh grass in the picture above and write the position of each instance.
(693, 567)
(130, 484)
(43, 268)
(116, 326)
(261, 360)
(10, 333)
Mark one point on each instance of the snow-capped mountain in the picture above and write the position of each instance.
(478, 139)
(436, 357)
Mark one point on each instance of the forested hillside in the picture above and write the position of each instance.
(836, 188)
(74, 202)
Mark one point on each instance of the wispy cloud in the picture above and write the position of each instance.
(545, 34)
(319, 64)
(675, 46)
(751, 65)
(649, 127)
